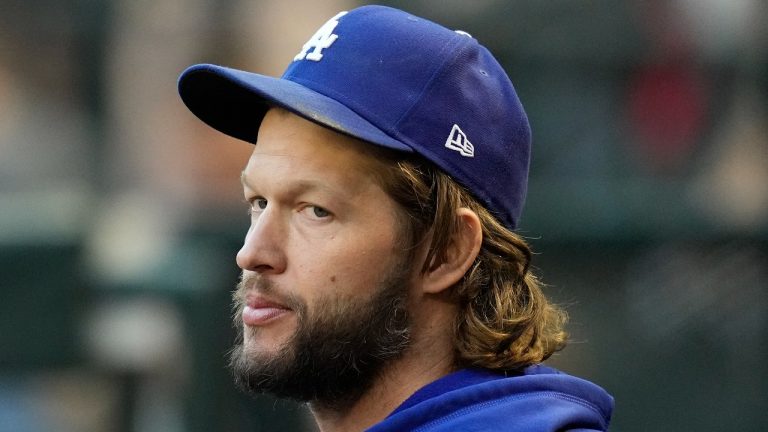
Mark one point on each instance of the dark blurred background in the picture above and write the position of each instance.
(120, 213)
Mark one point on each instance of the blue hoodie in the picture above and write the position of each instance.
(537, 399)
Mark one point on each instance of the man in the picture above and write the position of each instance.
(382, 282)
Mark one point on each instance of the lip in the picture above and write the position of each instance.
(260, 311)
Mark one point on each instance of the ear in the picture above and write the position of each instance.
(459, 256)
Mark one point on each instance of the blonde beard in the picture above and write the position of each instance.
(338, 349)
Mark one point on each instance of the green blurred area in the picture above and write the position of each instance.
(655, 237)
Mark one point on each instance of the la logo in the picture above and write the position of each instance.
(321, 40)
(457, 140)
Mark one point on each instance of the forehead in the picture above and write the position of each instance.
(296, 149)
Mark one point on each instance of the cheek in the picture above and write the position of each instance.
(346, 266)
(364, 269)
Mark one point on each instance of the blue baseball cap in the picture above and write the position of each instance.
(394, 80)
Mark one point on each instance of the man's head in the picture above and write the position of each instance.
(399, 82)
(322, 301)
(389, 170)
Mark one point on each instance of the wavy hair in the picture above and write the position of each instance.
(505, 322)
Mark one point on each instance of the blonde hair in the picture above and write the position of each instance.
(505, 321)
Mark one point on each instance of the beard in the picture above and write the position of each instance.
(338, 349)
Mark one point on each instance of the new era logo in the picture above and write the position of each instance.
(458, 141)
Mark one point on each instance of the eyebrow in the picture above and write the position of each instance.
(302, 186)
(244, 180)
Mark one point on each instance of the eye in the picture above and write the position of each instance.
(320, 212)
(260, 203)
(257, 205)
(316, 212)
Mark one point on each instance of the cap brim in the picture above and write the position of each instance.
(234, 102)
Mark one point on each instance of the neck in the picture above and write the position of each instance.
(400, 380)
(429, 358)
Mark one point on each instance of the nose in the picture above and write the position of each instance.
(262, 250)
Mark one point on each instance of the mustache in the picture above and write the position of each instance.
(255, 282)
(251, 282)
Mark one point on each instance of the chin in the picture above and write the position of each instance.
(261, 341)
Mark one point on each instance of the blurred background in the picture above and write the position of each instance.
(120, 213)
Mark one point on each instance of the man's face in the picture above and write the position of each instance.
(322, 303)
